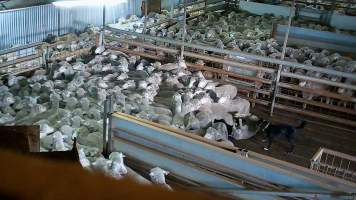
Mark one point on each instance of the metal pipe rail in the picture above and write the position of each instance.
(314, 38)
(202, 160)
(259, 80)
(66, 54)
(20, 60)
(234, 63)
(338, 5)
(235, 53)
(14, 49)
(17, 58)
(211, 7)
(335, 164)
(194, 55)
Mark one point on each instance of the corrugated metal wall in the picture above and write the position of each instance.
(33, 24)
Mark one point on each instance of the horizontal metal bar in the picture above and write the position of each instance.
(339, 154)
(301, 100)
(195, 66)
(195, 2)
(318, 115)
(209, 9)
(66, 54)
(235, 53)
(295, 87)
(237, 64)
(211, 6)
(178, 167)
(298, 194)
(298, 179)
(313, 38)
(20, 60)
(14, 49)
(252, 89)
(285, 194)
(320, 92)
(292, 98)
(21, 71)
(228, 73)
(318, 104)
(322, 36)
(241, 179)
(317, 44)
(304, 112)
(229, 62)
(318, 80)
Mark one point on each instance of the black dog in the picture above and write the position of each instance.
(274, 131)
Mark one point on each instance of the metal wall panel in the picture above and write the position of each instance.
(33, 24)
(24, 26)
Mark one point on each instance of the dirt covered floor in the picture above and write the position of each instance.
(315, 135)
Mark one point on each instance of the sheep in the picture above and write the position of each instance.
(348, 92)
(118, 168)
(83, 159)
(58, 141)
(158, 177)
(314, 86)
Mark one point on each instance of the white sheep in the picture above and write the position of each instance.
(118, 168)
(158, 177)
(58, 141)
(83, 159)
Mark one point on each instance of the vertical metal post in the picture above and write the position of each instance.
(59, 22)
(105, 128)
(205, 5)
(184, 29)
(171, 14)
(145, 20)
(278, 77)
(109, 133)
(102, 32)
(348, 7)
(107, 136)
(104, 16)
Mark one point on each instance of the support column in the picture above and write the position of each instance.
(184, 29)
(107, 137)
(280, 68)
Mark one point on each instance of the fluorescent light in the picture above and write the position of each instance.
(73, 3)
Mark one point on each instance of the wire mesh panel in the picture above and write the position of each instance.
(335, 164)
(20, 60)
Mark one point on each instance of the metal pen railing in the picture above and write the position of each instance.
(21, 59)
(335, 164)
(325, 103)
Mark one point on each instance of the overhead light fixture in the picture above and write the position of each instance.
(76, 3)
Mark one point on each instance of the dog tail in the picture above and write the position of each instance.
(302, 125)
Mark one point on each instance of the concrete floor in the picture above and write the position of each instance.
(308, 141)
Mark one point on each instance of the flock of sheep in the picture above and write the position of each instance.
(241, 31)
(66, 100)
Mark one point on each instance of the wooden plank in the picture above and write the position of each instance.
(20, 138)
